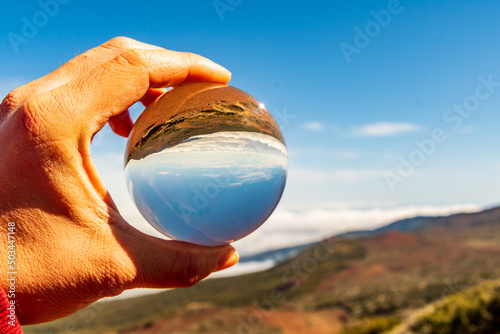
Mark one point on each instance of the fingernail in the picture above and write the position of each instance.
(227, 260)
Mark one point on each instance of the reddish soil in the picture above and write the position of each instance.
(297, 322)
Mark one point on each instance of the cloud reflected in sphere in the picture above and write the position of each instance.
(206, 163)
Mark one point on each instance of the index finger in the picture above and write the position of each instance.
(69, 71)
(76, 67)
(90, 100)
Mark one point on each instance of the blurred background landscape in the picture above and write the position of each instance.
(418, 275)
(390, 112)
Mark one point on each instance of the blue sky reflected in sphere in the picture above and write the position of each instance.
(210, 189)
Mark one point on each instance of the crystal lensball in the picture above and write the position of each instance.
(206, 163)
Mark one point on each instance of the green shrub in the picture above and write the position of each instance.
(474, 311)
(376, 326)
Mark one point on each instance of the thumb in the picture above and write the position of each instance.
(162, 263)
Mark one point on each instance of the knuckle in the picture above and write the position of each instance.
(48, 117)
(112, 284)
(134, 57)
(115, 275)
(32, 117)
(11, 102)
(191, 59)
(120, 42)
(134, 62)
(131, 60)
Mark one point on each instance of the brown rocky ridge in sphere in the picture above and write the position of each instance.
(197, 109)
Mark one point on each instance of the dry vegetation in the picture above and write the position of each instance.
(438, 276)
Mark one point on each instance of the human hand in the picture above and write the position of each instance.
(72, 245)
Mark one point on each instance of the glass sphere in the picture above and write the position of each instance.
(206, 163)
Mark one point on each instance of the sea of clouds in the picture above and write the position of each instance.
(291, 226)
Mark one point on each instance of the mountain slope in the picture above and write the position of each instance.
(418, 224)
(357, 285)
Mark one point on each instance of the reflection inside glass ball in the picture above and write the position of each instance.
(206, 163)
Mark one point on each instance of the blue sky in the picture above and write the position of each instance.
(348, 125)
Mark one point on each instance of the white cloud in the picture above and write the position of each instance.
(288, 225)
(295, 225)
(384, 129)
(313, 126)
